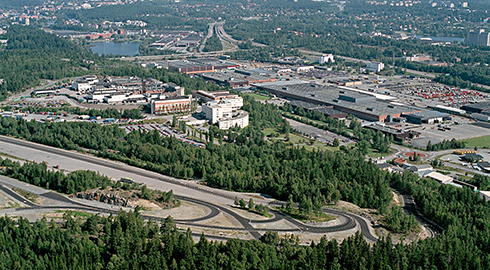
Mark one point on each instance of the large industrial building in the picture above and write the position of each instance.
(190, 67)
(427, 117)
(236, 79)
(397, 134)
(363, 106)
(325, 110)
(480, 107)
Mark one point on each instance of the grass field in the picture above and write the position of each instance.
(258, 97)
(478, 142)
(373, 153)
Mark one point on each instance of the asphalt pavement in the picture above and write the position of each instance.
(193, 188)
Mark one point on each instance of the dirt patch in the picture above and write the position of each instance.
(246, 214)
(186, 210)
(136, 195)
(281, 224)
(147, 205)
(222, 220)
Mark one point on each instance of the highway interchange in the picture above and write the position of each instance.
(189, 191)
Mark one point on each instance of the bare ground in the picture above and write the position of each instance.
(186, 210)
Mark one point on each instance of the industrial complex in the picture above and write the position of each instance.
(363, 106)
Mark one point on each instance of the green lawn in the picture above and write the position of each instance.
(483, 141)
(314, 216)
(373, 153)
(257, 96)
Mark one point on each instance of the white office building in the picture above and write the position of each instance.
(225, 112)
(375, 66)
(325, 58)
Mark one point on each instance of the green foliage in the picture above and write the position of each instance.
(213, 44)
(32, 55)
(250, 164)
(39, 175)
(446, 144)
(399, 222)
(481, 181)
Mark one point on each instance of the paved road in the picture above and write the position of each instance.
(201, 191)
(16, 196)
(321, 135)
(410, 208)
(210, 34)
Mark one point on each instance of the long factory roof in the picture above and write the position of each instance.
(338, 97)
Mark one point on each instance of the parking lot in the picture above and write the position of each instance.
(166, 131)
(320, 135)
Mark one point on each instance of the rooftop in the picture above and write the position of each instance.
(428, 114)
(479, 105)
(332, 95)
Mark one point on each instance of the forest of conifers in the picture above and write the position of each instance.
(252, 164)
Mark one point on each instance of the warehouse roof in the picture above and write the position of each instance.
(427, 114)
(479, 105)
(439, 177)
(332, 95)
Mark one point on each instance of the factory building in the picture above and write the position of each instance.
(236, 79)
(325, 110)
(397, 134)
(480, 107)
(189, 67)
(84, 84)
(326, 58)
(481, 117)
(427, 117)
(447, 109)
(363, 106)
(171, 105)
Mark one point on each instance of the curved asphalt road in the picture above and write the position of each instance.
(410, 208)
(244, 222)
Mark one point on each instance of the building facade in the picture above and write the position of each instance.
(480, 38)
(171, 105)
(375, 66)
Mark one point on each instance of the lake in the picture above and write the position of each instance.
(444, 39)
(116, 48)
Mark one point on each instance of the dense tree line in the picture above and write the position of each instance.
(482, 182)
(213, 44)
(39, 175)
(445, 144)
(125, 241)
(397, 221)
(276, 169)
(32, 54)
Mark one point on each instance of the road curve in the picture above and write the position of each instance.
(16, 196)
(244, 222)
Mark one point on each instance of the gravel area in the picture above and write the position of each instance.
(246, 214)
(281, 224)
(222, 220)
(186, 210)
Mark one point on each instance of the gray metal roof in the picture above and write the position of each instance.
(332, 95)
